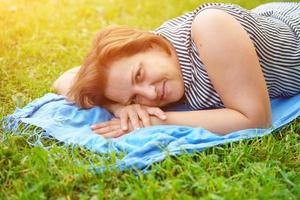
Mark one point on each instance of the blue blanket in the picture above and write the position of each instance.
(67, 123)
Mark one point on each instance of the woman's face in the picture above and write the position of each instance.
(149, 78)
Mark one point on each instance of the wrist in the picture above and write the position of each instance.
(114, 108)
(156, 121)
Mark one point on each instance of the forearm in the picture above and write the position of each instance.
(220, 121)
(63, 84)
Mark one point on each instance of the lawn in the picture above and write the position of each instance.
(40, 39)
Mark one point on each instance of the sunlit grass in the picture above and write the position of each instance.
(40, 39)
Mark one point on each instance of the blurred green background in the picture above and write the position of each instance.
(40, 39)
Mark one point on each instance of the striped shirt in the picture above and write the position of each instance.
(274, 29)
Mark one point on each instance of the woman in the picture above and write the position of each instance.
(222, 61)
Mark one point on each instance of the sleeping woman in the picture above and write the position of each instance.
(222, 62)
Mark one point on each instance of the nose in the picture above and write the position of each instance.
(147, 91)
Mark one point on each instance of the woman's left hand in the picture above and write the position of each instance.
(110, 129)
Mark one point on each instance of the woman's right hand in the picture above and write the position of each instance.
(138, 115)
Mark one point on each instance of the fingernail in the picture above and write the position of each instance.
(124, 128)
(93, 126)
(164, 117)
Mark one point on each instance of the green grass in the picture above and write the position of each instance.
(40, 39)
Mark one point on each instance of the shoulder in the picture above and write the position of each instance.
(216, 31)
(213, 19)
(219, 36)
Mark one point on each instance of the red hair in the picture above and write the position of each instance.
(110, 44)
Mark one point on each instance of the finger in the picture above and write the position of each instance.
(157, 112)
(144, 116)
(114, 134)
(104, 124)
(124, 121)
(134, 119)
(107, 129)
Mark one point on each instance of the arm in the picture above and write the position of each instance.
(63, 83)
(220, 121)
(233, 67)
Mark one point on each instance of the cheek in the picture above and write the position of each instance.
(172, 91)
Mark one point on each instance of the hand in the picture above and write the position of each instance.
(139, 115)
(110, 129)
